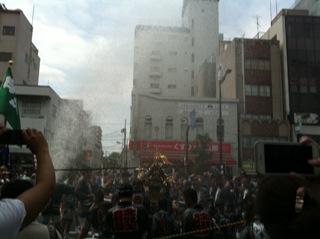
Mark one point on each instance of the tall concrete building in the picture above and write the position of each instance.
(313, 6)
(299, 36)
(256, 81)
(166, 61)
(202, 18)
(162, 61)
(16, 44)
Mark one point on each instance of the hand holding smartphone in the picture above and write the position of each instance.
(285, 158)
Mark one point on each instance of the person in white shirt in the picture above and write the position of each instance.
(15, 214)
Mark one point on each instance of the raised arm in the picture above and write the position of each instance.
(37, 197)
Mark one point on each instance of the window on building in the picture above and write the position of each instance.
(148, 127)
(264, 90)
(192, 57)
(248, 90)
(192, 23)
(183, 128)
(155, 77)
(5, 56)
(169, 128)
(254, 90)
(258, 90)
(257, 64)
(8, 30)
(154, 86)
(172, 86)
(31, 108)
(199, 126)
(172, 69)
(192, 41)
(192, 74)
(155, 68)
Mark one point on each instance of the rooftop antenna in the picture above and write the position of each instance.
(258, 24)
(270, 11)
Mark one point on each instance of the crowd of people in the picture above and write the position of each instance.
(122, 204)
(83, 202)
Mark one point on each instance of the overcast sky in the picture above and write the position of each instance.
(86, 46)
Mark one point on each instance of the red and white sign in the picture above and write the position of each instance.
(174, 146)
(175, 150)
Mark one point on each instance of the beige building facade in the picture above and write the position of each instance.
(256, 81)
(16, 44)
(161, 124)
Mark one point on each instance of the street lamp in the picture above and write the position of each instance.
(220, 124)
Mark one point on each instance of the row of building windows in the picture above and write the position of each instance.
(157, 86)
(31, 108)
(303, 88)
(258, 90)
(158, 69)
(199, 127)
(257, 64)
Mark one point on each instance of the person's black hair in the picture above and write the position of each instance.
(275, 204)
(125, 191)
(15, 188)
(190, 196)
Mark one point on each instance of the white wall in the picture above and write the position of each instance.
(162, 56)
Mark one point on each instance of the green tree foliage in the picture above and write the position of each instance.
(202, 153)
(113, 160)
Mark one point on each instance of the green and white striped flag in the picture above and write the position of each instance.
(8, 101)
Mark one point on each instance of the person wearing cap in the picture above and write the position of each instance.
(124, 220)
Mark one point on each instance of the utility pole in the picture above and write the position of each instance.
(124, 151)
(220, 124)
(258, 25)
(187, 151)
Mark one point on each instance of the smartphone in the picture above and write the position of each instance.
(284, 158)
(12, 137)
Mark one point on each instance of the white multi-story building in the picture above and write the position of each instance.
(162, 61)
(166, 63)
(166, 59)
